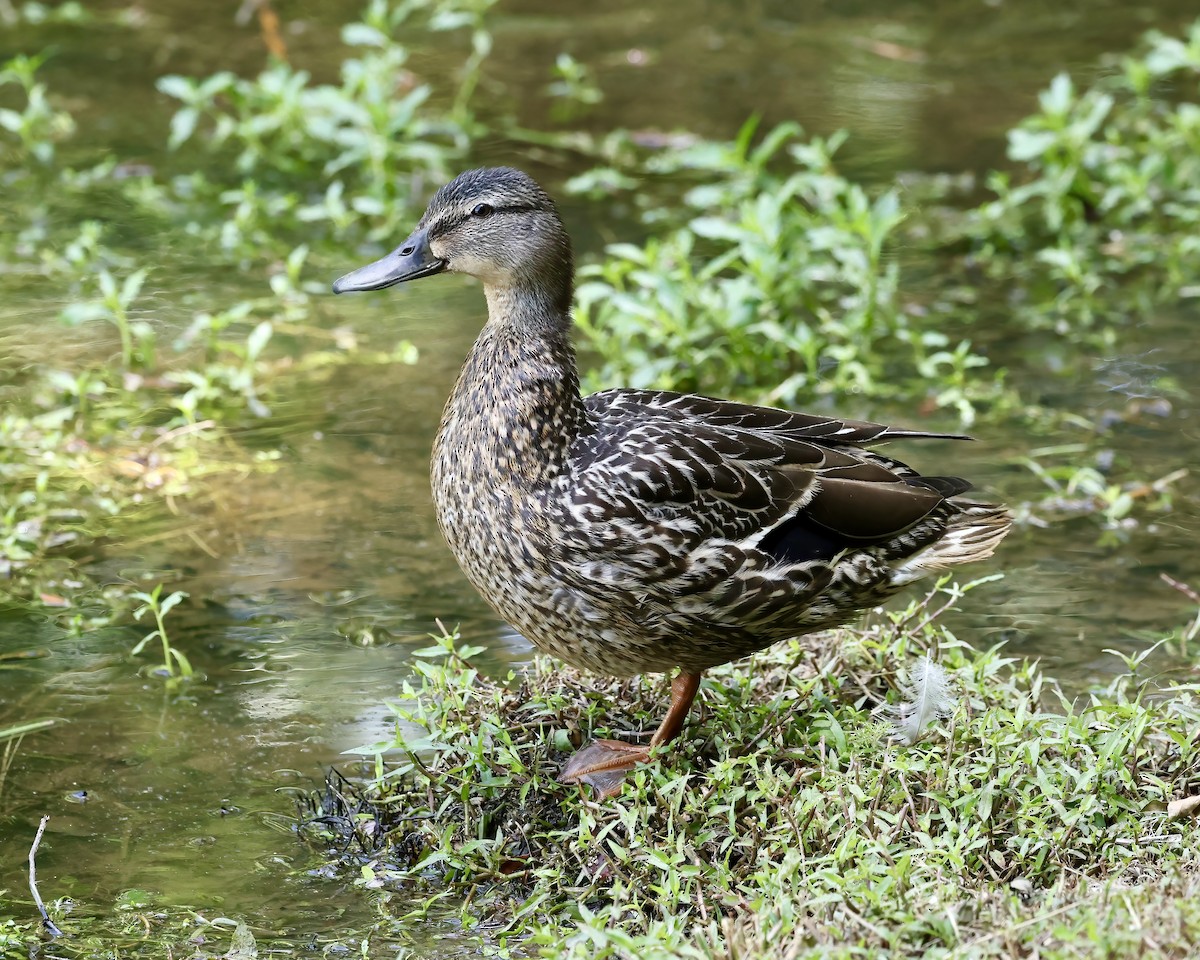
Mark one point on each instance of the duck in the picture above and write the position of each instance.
(636, 531)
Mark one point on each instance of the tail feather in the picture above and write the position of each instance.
(972, 534)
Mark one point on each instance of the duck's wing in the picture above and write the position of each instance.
(619, 404)
(673, 474)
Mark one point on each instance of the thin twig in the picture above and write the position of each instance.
(1159, 485)
(268, 22)
(1181, 587)
(49, 924)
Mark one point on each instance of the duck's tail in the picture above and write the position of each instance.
(973, 532)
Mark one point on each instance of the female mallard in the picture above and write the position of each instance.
(637, 531)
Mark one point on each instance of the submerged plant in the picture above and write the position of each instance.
(176, 665)
(1097, 488)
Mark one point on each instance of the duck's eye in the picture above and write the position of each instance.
(482, 210)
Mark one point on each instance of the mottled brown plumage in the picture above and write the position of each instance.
(637, 531)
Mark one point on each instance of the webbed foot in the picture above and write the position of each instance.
(603, 764)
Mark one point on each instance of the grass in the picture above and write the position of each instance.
(789, 821)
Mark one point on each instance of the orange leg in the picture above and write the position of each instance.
(604, 763)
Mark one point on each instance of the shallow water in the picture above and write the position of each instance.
(310, 586)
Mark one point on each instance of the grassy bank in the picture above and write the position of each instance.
(792, 820)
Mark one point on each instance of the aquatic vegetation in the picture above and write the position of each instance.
(372, 143)
(86, 441)
(1083, 488)
(137, 337)
(574, 89)
(19, 730)
(38, 125)
(782, 281)
(75, 456)
(138, 923)
(781, 286)
(789, 817)
(176, 665)
(1099, 220)
(15, 937)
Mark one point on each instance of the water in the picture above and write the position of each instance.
(310, 586)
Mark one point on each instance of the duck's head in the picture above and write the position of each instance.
(495, 224)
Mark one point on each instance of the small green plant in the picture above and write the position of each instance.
(573, 89)
(175, 664)
(38, 126)
(113, 305)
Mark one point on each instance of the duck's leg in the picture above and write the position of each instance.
(604, 763)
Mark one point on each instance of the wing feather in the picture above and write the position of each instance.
(678, 471)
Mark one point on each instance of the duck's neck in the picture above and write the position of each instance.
(516, 408)
(533, 310)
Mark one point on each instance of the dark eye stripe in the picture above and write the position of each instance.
(512, 208)
(453, 220)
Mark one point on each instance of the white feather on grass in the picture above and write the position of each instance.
(926, 698)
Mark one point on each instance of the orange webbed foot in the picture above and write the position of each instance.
(603, 764)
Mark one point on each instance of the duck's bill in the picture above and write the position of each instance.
(410, 260)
